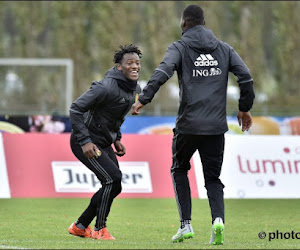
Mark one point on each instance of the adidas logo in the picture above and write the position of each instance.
(122, 100)
(205, 60)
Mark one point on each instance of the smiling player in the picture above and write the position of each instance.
(96, 118)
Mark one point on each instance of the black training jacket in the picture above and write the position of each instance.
(97, 115)
(202, 63)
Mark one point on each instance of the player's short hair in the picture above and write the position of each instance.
(194, 15)
(124, 50)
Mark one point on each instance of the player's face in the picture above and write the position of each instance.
(130, 66)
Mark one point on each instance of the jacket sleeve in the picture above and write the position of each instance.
(245, 81)
(162, 73)
(86, 102)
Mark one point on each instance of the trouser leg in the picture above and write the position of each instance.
(107, 170)
(182, 153)
(211, 151)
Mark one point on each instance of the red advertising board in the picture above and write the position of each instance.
(32, 158)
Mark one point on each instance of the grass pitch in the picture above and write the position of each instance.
(148, 224)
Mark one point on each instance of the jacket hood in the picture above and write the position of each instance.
(122, 81)
(200, 39)
(116, 74)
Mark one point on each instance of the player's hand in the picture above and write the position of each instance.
(90, 150)
(245, 120)
(135, 108)
(120, 148)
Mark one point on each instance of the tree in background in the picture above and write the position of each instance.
(265, 34)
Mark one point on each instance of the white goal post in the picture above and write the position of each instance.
(68, 63)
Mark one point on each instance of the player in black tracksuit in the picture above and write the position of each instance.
(202, 63)
(96, 118)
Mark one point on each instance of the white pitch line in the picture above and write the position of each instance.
(11, 247)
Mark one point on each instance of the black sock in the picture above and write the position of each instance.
(184, 222)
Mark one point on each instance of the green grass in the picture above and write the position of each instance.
(146, 224)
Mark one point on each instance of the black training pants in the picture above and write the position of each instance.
(211, 150)
(106, 168)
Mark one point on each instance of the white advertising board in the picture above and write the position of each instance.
(257, 166)
(72, 176)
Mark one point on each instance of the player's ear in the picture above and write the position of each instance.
(119, 67)
(182, 23)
